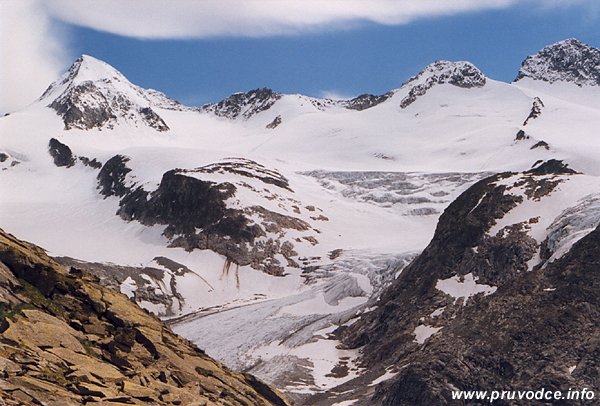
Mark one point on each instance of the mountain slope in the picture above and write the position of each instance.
(487, 305)
(67, 340)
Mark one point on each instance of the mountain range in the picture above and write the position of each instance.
(386, 249)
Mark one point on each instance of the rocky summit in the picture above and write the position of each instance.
(67, 340)
(566, 61)
(460, 74)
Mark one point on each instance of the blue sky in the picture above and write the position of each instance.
(200, 52)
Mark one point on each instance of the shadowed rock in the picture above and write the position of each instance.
(61, 153)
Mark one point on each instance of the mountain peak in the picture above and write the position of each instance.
(460, 73)
(244, 105)
(457, 73)
(569, 60)
(93, 94)
(87, 67)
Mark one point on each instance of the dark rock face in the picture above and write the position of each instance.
(86, 106)
(536, 110)
(3, 157)
(152, 119)
(77, 113)
(525, 336)
(92, 163)
(552, 166)
(524, 333)
(540, 144)
(182, 202)
(111, 179)
(244, 105)
(273, 124)
(566, 61)
(521, 136)
(196, 217)
(61, 153)
(459, 74)
(366, 101)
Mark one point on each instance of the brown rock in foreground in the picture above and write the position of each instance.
(66, 340)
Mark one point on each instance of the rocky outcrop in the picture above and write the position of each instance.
(243, 105)
(67, 340)
(459, 74)
(552, 166)
(152, 285)
(540, 144)
(196, 215)
(7, 160)
(152, 119)
(536, 110)
(365, 101)
(566, 61)
(64, 157)
(111, 178)
(275, 123)
(463, 225)
(76, 113)
(247, 168)
(92, 163)
(61, 153)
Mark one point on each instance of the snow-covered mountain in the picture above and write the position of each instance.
(260, 224)
(93, 94)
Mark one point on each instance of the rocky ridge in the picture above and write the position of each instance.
(365, 101)
(460, 74)
(65, 339)
(244, 105)
(566, 61)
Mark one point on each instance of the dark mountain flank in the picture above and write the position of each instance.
(533, 326)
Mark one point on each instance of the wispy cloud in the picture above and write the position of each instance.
(335, 95)
(206, 18)
(31, 51)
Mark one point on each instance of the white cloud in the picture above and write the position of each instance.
(31, 53)
(206, 18)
